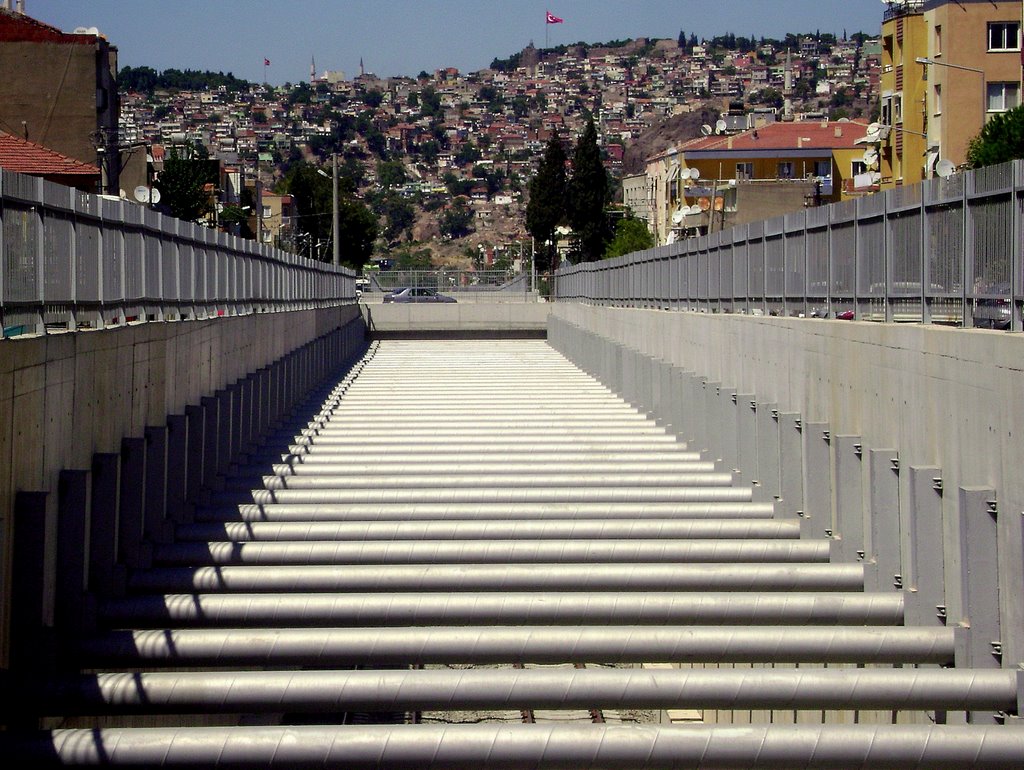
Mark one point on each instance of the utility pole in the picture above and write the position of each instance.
(334, 221)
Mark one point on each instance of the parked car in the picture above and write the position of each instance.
(993, 312)
(414, 294)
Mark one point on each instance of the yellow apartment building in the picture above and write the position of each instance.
(714, 182)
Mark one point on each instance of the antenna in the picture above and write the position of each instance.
(720, 126)
(945, 168)
(677, 216)
(695, 174)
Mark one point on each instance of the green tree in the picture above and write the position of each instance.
(457, 220)
(587, 194)
(546, 208)
(399, 216)
(357, 226)
(391, 173)
(631, 234)
(1001, 140)
(182, 183)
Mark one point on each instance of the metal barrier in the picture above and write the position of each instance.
(463, 285)
(70, 260)
(945, 251)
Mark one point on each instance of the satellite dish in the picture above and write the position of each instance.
(720, 126)
(944, 168)
(142, 194)
(677, 216)
(870, 158)
(695, 209)
(695, 173)
(706, 130)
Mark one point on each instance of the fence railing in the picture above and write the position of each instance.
(70, 260)
(944, 251)
(475, 285)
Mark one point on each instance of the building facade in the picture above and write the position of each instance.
(948, 67)
(60, 90)
(714, 182)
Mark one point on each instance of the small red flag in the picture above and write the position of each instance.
(552, 19)
(266, 62)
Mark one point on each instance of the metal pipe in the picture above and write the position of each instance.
(503, 608)
(531, 644)
(494, 552)
(513, 577)
(469, 747)
(431, 466)
(556, 689)
(538, 458)
(503, 483)
(520, 495)
(484, 511)
(553, 529)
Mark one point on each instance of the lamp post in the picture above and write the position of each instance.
(334, 202)
(924, 60)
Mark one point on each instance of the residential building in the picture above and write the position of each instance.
(24, 157)
(634, 195)
(976, 71)
(60, 90)
(715, 182)
(947, 67)
(901, 147)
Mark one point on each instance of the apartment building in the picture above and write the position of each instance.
(717, 181)
(60, 90)
(947, 67)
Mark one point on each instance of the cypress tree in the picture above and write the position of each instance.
(547, 201)
(588, 194)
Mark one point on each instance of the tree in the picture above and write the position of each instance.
(546, 208)
(391, 173)
(357, 226)
(631, 234)
(399, 216)
(587, 196)
(1001, 140)
(182, 183)
(457, 220)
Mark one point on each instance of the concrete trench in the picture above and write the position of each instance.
(470, 531)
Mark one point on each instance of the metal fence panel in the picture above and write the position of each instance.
(21, 249)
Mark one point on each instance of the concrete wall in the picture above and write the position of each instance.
(939, 407)
(503, 317)
(65, 397)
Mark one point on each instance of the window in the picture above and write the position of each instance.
(823, 169)
(786, 170)
(897, 108)
(938, 100)
(886, 113)
(1003, 36)
(938, 40)
(858, 167)
(744, 170)
(1001, 97)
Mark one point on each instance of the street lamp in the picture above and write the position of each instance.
(926, 61)
(334, 200)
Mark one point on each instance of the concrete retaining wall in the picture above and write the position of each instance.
(904, 443)
(463, 317)
(65, 398)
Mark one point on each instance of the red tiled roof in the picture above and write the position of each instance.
(25, 157)
(805, 135)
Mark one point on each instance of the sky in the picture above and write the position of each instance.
(404, 37)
